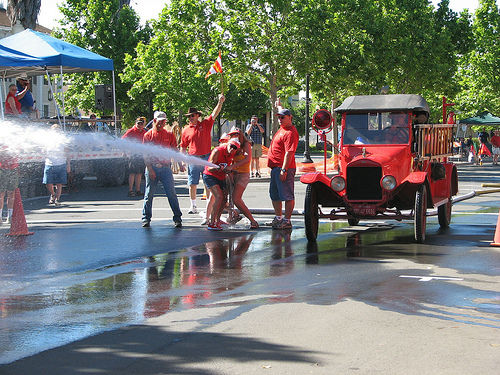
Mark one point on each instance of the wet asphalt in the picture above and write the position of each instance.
(97, 293)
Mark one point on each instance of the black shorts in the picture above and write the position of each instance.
(136, 165)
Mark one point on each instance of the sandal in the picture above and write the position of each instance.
(254, 225)
(131, 193)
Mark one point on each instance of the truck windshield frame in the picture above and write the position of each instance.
(376, 128)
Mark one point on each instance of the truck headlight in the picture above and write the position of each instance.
(337, 183)
(388, 182)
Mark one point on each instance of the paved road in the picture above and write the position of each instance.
(112, 297)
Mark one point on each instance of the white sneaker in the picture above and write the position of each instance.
(192, 210)
(8, 220)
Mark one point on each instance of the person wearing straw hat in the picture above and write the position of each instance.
(24, 95)
(196, 140)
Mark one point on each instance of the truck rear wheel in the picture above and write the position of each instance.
(444, 214)
(420, 214)
(311, 213)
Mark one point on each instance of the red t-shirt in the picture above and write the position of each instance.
(495, 140)
(198, 138)
(285, 140)
(163, 138)
(7, 159)
(224, 157)
(8, 110)
(135, 134)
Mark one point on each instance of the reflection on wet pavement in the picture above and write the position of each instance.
(363, 263)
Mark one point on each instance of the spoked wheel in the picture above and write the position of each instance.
(420, 214)
(311, 213)
(444, 214)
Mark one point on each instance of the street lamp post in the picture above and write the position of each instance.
(307, 155)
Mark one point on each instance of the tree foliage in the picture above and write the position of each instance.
(109, 28)
(480, 68)
(348, 48)
(172, 66)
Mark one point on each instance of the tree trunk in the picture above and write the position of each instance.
(26, 11)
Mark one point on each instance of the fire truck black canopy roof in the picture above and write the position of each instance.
(384, 103)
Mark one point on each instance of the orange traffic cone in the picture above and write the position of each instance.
(18, 225)
(496, 240)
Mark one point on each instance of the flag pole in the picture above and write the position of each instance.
(221, 84)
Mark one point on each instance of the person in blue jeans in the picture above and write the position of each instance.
(159, 169)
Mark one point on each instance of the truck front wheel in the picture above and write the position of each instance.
(311, 213)
(420, 214)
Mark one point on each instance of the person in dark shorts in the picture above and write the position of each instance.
(136, 164)
(215, 179)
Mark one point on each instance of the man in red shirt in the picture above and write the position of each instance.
(9, 180)
(158, 169)
(495, 146)
(281, 160)
(197, 137)
(135, 162)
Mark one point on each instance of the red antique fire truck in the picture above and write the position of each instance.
(392, 165)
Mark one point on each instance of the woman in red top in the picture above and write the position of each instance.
(215, 179)
(12, 105)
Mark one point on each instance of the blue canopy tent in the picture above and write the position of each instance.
(57, 57)
(10, 59)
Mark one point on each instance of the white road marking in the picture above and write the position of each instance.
(430, 278)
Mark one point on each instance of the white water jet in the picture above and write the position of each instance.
(28, 140)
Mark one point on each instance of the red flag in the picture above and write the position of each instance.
(216, 68)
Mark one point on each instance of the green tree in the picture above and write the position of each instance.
(480, 68)
(172, 66)
(109, 28)
(242, 104)
(261, 45)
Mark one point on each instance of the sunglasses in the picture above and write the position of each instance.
(233, 147)
(281, 117)
(193, 115)
(140, 122)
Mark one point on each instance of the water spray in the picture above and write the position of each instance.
(28, 141)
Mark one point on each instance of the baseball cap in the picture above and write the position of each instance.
(234, 130)
(284, 112)
(160, 115)
(235, 142)
(224, 138)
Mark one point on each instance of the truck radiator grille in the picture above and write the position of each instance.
(363, 183)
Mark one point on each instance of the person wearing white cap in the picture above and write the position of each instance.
(215, 179)
(159, 169)
(24, 95)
